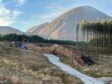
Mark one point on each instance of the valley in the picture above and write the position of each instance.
(73, 48)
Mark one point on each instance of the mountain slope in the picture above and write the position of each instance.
(8, 30)
(35, 30)
(64, 26)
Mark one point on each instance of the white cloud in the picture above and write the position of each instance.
(20, 2)
(7, 16)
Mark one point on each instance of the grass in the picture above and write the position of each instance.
(66, 60)
(19, 66)
(101, 68)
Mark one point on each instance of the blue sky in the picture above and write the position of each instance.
(23, 14)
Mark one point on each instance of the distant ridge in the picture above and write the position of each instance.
(9, 30)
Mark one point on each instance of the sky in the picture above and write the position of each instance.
(24, 14)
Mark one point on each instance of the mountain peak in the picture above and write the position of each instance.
(63, 27)
(84, 8)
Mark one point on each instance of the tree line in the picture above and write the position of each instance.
(101, 32)
(33, 39)
(98, 35)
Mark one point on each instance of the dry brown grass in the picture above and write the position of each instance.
(101, 68)
(19, 66)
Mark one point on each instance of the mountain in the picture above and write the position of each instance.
(8, 30)
(36, 29)
(64, 26)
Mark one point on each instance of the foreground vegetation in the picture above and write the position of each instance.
(19, 66)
